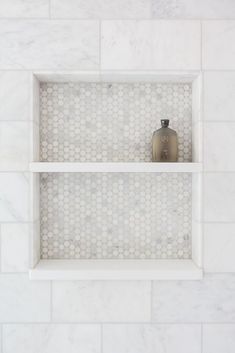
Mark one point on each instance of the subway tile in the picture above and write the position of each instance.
(14, 199)
(14, 247)
(219, 338)
(219, 96)
(207, 9)
(101, 9)
(209, 300)
(56, 45)
(14, 146)
(22, 300)
(219, 145)
(219, 197)
(44, 338)
(218, 45)
(219, 245)
(24, 8)
(14, 87)
(34, 256)
(101, 301)
(143, 338)
(140, 45)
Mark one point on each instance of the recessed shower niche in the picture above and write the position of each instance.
(101, 208)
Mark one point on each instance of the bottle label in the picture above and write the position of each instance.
(165, 139)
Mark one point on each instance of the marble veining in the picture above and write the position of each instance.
(210, 300)
(191, 9)
(119, 216)
(14, 199)
(52, 338)
(104, 9)
(115, 216)
(150, 45)
(149, 338)
(69, 45)
(96, 301)
(111, 122)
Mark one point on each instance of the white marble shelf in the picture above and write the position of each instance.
(40, 167)
(116, 270)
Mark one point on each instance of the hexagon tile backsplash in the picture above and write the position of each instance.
(111, 122)
(106, 215)
(116, 215)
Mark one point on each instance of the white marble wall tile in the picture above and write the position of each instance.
(219, 96)
(219, 146)
(14, 247)
(101, 301)
(14, 87)
(22, 300)
(70, 45)
(45, 338)
(152, 338)
(14, 197)
(24, 8)
(209, 300)
(218, 45)
(34, 197)
(219, 245)
(34, 244)
(14, 146)
(219, 197)
(193, 9)
(140, 45)
(219, 338)
(101, 9)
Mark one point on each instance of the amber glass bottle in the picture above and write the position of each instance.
(165, 144)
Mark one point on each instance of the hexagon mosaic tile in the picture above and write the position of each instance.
(119, 215)
(115, 215)
(94, 122)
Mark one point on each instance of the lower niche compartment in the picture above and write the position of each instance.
(115, 216)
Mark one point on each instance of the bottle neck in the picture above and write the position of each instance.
(164, 123)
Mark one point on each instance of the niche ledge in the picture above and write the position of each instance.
(116, 270)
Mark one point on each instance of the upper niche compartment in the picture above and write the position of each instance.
(111, 122)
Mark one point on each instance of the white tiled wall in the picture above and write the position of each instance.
(104, 317)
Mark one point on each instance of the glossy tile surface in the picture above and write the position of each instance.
(51, 338)
(152, 338)
(209, 300)
(96, 301)
(150, 45)
(20, 299)
(55, 45)
(15, 247)
(101, 9)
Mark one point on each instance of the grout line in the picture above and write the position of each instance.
(117, 323)
(202, 181)
(49, 9)
(100, 27)
(62, 71)
(51, 314)
(0, 247)
(209, 171)
(201, 44)
(151, 301)
(1, 338)
(112, 19)
(201, 338)
(101, 338)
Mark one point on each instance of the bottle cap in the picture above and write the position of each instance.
(165, 122)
